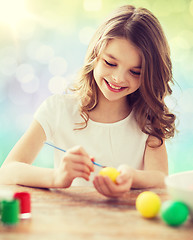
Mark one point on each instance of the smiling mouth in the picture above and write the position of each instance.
(113, 87)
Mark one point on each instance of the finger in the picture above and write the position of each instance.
(79, 150)
(102, 185)
(111, 186)
(81, 168)
(79, 174)
(105, 186)
(98, 183)
(126, 173)
(75, 164)
(122, 178)
(115, 190)
(80, 159)
(124, 187)
(86, 162)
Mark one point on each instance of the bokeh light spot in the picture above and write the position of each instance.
(24, 73)
(86, 34)
(180, 48)
(12, 12)
(26, 29)
(16, 95)
(57, 85)
(31, 86)
(8, 65)
(92, 5)
(44, 54)
(57, 66)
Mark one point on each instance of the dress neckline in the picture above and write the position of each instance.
(120, 122)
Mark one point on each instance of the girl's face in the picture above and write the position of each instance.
(117, 70)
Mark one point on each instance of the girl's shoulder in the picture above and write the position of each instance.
(59, 104)
(61, 100)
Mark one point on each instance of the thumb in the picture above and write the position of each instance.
(126, 173)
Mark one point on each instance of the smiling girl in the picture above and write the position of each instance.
(115, 115)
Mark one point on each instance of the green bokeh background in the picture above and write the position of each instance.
(50, 32)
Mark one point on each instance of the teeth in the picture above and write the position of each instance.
(117, 88)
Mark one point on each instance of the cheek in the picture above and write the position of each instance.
(136, 83)
(98, 70)
(95, 73)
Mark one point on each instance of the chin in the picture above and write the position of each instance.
(114, 98)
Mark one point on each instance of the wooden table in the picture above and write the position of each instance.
(82, 213)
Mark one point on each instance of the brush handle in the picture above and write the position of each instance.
(97, 164)
(55, 147)
(51, 145)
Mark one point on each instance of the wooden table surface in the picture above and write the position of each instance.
(80, 213)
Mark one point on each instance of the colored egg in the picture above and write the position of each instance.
(174, 213)
(148, 204)
(111, 172)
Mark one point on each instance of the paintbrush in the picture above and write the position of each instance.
(51, 145)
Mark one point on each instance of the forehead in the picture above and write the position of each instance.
(123, 50)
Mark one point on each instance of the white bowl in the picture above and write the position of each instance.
(180, 188)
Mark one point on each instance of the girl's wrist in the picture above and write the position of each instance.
(52, 178)
(60, 179)
(55, 180)
(133, 175)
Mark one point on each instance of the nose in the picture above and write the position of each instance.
(118, 76)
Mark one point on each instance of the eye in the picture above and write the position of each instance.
(135, 73)
(110, 64)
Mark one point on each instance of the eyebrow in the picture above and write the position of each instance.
(114, 58)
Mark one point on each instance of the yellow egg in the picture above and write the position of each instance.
(111, 172)
(148, 204)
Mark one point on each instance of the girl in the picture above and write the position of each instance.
(116, 114)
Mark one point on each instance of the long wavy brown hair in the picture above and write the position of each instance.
(143, 29)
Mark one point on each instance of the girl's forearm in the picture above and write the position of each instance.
(148, 179)
(26, 174)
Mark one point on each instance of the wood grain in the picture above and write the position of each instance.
(80, 213)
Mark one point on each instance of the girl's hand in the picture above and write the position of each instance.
(108, 188)
(76, 163)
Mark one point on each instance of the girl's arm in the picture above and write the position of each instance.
(155, 170)
(155, 167)
(17, 168)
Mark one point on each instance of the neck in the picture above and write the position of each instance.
(110, 111)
